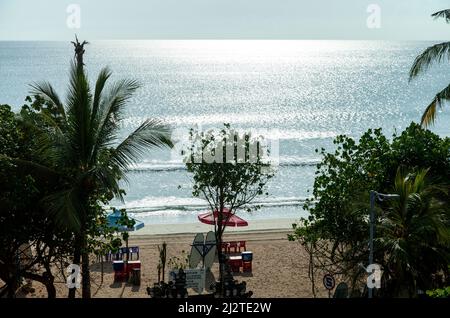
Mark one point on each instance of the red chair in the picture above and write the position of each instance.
(242, 244)
(225, 248)
(132, 265)
(235, 263)
(234, 246)
(134, 250)
(120, 270)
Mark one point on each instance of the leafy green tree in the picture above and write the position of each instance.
(23, 223)
(336, 231)
(229, 171)
(436, 53)
(82, 146)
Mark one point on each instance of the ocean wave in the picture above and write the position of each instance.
(175, 205)
(183, 124)
(160, 165)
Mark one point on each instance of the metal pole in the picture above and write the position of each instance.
(372, 221)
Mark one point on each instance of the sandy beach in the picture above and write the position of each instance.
(279, 266)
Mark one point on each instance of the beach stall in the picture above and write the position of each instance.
(125, 269)
(236, 251)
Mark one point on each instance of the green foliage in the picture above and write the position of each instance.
(227, 168)
(127, 222)
(179, 262)
(414, 234)
(419, 148)
(336, 231)
(23, 222)
(439, 293)
(443, 292)
(437, 53)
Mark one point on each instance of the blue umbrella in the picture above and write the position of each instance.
(114, 218)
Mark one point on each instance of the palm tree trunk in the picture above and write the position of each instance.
(85, 271)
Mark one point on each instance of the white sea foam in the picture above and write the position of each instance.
(176, 205)
(175, 165)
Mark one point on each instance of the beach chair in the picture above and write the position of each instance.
(226, 247)
(109, 256)
(117, 256)
(235, 263)
(234, 246)
(124, 251)
(242, 246)
(120, 270)
(133, 265)
(134, 250)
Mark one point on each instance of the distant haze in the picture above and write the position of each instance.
(222, 19)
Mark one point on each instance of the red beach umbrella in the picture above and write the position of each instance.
(227, 218)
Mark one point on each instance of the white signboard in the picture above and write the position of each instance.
(195, 278)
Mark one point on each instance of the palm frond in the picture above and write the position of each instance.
(442, 14)
(429, 115)
(435, 53)
(108, 178)
(420, 181)
(46, 91)
(65, 207)
(110, 114)
(151, 134)
(79, 105)
(111, 106)
(103, 77)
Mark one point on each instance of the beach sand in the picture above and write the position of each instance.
(280, 267)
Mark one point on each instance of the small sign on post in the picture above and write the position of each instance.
(329, 282)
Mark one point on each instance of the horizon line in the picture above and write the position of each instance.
(232, 39)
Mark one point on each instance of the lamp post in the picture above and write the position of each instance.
(380, 197)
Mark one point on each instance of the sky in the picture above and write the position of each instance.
(223, 19)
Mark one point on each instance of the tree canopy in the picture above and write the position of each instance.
(336, 230)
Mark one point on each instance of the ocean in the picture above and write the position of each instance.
(300, 93)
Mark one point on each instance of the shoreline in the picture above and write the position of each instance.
(182, 229)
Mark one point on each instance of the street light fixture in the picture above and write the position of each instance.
(380, 197)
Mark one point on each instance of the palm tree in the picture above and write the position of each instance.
(414, 234)
(82, 147)
(435, 53)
